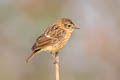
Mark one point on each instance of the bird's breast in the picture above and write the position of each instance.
(56, 47)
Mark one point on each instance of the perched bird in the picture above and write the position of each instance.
(54, 38)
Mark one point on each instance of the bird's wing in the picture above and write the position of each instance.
(55, 32)
(41, 42)
(52, 35)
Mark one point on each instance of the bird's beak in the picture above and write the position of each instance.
(77, 27)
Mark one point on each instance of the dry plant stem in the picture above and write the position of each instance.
(57, 66)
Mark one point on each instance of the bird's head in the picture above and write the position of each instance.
(67, 24)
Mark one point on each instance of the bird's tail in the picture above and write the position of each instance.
(32, 55)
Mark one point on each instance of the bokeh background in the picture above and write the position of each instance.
(93, 52)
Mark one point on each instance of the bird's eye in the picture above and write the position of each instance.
(69, 25)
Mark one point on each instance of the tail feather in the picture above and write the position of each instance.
(32, 55)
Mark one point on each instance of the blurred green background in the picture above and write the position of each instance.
(93, 52)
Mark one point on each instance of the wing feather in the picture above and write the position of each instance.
(56, 35)
(55, 32)
(41, 42)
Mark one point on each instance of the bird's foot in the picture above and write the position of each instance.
(55, 62)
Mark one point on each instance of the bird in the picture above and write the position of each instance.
(54, 38)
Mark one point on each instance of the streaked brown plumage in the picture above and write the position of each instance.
(54, 38)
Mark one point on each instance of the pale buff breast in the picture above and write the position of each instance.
(60, 45)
